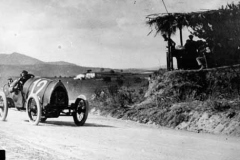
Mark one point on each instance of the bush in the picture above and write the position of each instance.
(137, 80)
(107, 79)
(116, 96)
(120, 81)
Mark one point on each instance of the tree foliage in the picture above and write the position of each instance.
(220, 28)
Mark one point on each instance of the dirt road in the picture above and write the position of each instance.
(108, 139)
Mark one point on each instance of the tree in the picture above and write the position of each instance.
(112, 71)
(220, 28)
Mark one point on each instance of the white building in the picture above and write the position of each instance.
(90, 75)
(85, 76)
(80, 77)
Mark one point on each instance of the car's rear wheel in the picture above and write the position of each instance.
(33, 109)
(3, 106)
(81, 112)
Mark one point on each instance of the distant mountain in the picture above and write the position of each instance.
(11, 65)
(60, 63)
(139, 70)
(44, 70)
(18, 59)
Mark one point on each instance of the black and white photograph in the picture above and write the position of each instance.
(119, 80)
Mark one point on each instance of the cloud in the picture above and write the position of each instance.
(193, 6)
(112, 31)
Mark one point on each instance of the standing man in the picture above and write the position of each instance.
(190, 46)
(171, 49)
(171, 42)
(191, 53)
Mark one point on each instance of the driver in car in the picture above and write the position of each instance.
(17, 84)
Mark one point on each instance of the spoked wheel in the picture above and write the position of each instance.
(3, 106)
(81, 112)
(34, 110)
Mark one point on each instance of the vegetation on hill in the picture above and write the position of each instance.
(200, 101)
(43, 70)
(18, 59)
(11, 65)
(220, 29)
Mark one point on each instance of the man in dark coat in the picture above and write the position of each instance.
(190, 46)
(18, 84)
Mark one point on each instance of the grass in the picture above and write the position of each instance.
(183, 97)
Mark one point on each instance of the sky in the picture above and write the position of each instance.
(93, 33)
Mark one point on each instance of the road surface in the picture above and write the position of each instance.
(105, 138)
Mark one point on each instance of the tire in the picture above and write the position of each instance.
(10, 102)
(33, 109)
(3, 106)
(80, 113)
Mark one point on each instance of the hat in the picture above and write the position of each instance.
(24, 72)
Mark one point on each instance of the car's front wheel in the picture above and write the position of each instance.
(3, 106)
(33, 109)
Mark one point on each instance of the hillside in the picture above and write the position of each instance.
(18, 59)
(59, 63)
(12, 64)
(199, 101)
(44, 70)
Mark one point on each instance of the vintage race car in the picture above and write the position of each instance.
(43, 98)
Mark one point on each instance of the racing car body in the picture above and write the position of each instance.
(44, 98)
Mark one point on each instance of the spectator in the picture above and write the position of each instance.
(190, 46)
(171, 42)
(201, 59)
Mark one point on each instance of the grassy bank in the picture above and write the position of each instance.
(199, 101)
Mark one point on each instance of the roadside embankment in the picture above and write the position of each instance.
(199, 101)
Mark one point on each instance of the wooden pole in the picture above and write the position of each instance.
(181, 38)
(170, 59)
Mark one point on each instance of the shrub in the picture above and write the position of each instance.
(116, 96)
(137, 80)
(120, 81)
(107, 79)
